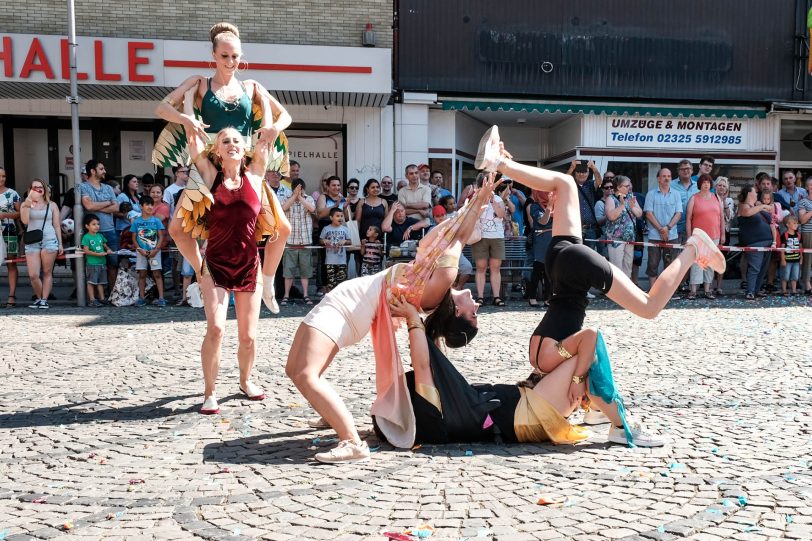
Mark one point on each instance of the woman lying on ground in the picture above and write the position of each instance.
(346, 314)
(574, 268)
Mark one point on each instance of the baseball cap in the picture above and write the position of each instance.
(423, 165)
(438, 211)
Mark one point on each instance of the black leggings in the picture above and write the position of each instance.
(539, 276)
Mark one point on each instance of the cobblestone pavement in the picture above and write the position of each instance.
(100, 437)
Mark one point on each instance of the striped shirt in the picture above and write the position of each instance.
(301, 225)
(806, 206)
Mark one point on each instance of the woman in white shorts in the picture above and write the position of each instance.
(351, 310)
(39, 213)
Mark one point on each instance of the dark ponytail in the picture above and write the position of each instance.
(456, 331)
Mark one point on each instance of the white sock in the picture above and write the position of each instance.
(268, 296)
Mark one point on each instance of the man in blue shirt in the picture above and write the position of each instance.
(663, 209)
(791, 193)
(685, 186)
(100, 199)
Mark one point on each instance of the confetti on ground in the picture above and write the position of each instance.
(789, 519)
(42, 499)
(4, 533)
(551, 499)
(661, 529)
(137, 482)
(469, 453)
(67, 526)
(742, 501)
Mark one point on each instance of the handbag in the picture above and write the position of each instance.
(34, 236)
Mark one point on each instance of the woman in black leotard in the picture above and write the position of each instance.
(573, 269)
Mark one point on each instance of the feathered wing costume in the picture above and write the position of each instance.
(172, 149)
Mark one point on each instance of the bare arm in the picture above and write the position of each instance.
(386, 225)
(596, 174)
(184, 96)
(749, 210)
(418, 342)
(689, 214)
(271, 105)
(57, 223)
(321, 207)
(613, 210)
(804, 215)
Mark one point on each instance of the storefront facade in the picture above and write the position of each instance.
(337, 96)
(632, 88)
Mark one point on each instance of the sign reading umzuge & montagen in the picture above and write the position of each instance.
(677, 133)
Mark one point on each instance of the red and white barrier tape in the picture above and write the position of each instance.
(722, 248)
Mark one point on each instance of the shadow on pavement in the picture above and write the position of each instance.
(92, 411)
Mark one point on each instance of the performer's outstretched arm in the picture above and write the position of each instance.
(169, 110)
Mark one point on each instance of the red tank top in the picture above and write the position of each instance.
(707, 215)
(232, 256)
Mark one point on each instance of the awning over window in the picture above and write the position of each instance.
(598, 108)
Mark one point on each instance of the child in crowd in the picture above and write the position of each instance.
(791, 259)
(148, 237)
(372, 250)
(334, 237)
(96, 250)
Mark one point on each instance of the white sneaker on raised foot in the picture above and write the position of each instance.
(707, 251)
(487, 154)
(318, 422)
(268, 295)
(210, 406)
(595, 417)
(640, 436)
(345, 451)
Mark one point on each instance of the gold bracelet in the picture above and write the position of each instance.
(578, 379)
(563, 351)
(168, 100)
(416, 325)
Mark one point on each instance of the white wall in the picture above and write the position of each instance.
(469, 132)
(65, 142)
(525, 144)
(136, 152)
(564, 136)
(442, 129)
(30, 157)
(411, 136)
(364, 135)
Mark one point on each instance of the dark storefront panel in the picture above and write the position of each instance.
(730, 50)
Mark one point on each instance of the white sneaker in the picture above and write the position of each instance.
(36, 304)
(210, 406)
(595, 417)
(707, 251)
(345, 451)
(318, 422)
(640, 436)
(589, 295)
(268, 295)
(487, 154)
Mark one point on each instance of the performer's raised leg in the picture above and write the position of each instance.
(274, 249)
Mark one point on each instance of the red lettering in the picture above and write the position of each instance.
(7, 58)
(36, 60)
(98, 50)
(80, 76)
(133, 60)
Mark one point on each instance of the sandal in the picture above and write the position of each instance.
(710, 296)
(497, 301)
(307, 300)
(480, 300)
(284, 301)
(750, 297)
(11, 303)
(691, 297)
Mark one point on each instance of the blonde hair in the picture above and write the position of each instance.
(221, 32)
(46, 194)
(723, 180)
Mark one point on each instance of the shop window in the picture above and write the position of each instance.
(796, 141)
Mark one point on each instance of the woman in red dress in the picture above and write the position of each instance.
(232, 259)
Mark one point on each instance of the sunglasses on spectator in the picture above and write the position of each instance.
(352, 187)
(183, 171)
(608, 187)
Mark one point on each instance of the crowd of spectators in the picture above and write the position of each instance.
(345, 229)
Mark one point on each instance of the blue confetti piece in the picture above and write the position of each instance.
(316, 441)
(469, 453)
(677, 466)
(661, 529)
(236, 532)
(422, 534)
(742, 501)
(663, 474)
(752, 528)
(715, 511)
(715, 450)
(4, 533)
(789, 519)
(727, 503)
(373, 449)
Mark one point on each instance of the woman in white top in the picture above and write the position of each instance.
(38, 212)
(722, 188)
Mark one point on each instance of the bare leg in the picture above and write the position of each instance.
(186, 245)
(496, 276)
(142, 283)
(215, 301)
(305, 286)
(479, 279)
(288, 285)
(247, 305)
(91, 292)
(567, 209)
(159, 282)
(48, 259)
(311, 353)
(581, 344)
(13, 275)
(554, 388)
(648, 305)
(276, 247)
(34, 266)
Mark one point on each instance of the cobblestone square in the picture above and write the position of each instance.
(101, 438)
